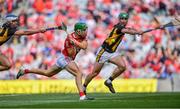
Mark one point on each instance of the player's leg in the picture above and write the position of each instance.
(97, 68)
(49, 72)
(60, 64)
(100, 60)
(121, 67)
(74, 69)
(4, 63)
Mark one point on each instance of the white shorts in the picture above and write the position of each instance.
(63, 61)
(104, 56)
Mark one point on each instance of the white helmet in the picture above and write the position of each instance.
(11, 17)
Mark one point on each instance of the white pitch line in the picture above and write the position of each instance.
(32, 102)
(10, 95)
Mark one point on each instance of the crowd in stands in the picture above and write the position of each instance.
(154, 55)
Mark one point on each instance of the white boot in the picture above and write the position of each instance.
(82, 97)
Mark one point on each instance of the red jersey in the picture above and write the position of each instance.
(71, 49)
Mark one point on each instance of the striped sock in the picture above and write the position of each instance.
(111, 78)
(84, 85)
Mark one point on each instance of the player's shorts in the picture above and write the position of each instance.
(63, 61)
(104, 56)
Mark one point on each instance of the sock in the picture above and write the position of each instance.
(108, 81)
(84, 88)
(26, 71)
(111, 78)
(81, 94)
(84, 85)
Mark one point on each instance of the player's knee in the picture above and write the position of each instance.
(123, 68)
(78, 73)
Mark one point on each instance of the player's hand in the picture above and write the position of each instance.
(42, 30)
(140, 32)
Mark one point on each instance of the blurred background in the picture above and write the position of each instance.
(155, 55)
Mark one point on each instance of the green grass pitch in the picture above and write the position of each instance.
(102, 100)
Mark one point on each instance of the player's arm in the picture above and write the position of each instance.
(29, 31)
(83, 45)
(131, 31)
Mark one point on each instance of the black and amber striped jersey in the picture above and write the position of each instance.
(6, 32)
(112, 42)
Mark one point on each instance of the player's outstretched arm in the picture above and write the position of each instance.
(30, 31)
(131, 31)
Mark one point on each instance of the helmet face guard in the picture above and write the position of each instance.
(80, 29)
